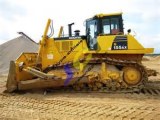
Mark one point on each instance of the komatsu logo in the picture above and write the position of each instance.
(74, 37)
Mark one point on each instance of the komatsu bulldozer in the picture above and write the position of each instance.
(104, 57)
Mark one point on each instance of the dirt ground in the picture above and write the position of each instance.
(40, 105)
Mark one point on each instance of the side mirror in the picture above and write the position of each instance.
(129, 31)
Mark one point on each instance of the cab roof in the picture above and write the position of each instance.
(105, 15)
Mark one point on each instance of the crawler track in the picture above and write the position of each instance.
(147, 90)
(109, 84)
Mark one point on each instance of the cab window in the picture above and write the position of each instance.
(110, 26)
(114, 25)
(106, 26)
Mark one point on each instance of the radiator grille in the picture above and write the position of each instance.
(64, 45)
(57, 45)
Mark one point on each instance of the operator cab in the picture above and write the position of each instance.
(103, 24)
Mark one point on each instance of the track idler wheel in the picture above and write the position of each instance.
(132, 75)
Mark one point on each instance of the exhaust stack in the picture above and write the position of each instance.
(70, 29)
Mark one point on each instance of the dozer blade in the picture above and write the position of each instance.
(39, 84)
(11, 80)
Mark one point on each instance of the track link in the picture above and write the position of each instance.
(145, 91)
(123, 87)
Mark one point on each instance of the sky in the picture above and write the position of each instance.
(30, 17)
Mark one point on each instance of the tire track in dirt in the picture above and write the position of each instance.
(29, 108)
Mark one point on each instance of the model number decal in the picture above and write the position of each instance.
(120, 47)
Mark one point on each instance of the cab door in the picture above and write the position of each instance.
(92, 34)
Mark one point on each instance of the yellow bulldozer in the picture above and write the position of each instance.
(104, 57)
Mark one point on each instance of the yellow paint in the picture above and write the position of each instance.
(23, 61)
(104, 15)
(105, 43)
(132, 75)
(52, 51)
(43, 41)
(141, 51)
(81, 67)
(60, 31)
(133, 44)
(103, 68)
